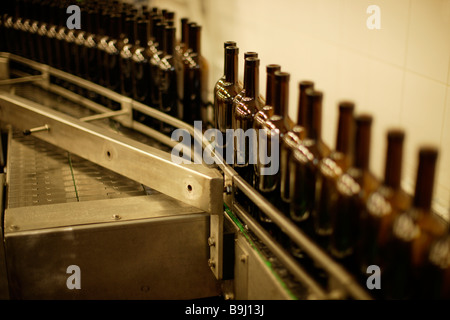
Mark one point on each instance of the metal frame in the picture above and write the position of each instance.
(207, 185)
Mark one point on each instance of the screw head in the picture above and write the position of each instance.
(211, 263)
(211, 242)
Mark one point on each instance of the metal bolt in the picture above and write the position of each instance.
(13, 227)
(243, 258)
(37, 129)
(116, 217)
(227, 189)
(211, 263)
(211, 242)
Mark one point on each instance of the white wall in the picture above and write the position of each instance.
(400, 73)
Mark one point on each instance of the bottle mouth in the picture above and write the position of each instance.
(346, 106)
(306, 84)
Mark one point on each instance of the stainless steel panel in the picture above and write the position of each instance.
(151, 258)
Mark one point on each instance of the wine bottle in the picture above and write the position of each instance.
(303, 164)
(413, 233)
(141, 65)
(80, 42)
(434, 280)
(225, 90)
(181, 46)
(289, 143)
(126, 54)
(354, 187)
(168, 79)
(195, 75)
(330, 169)
(113, 49)
(269, 137)
(16, 30)
(264, 114)
(91, 45)
(155, 60)
(102, 46)
(384, 205)
(243, 113)
(29, 29)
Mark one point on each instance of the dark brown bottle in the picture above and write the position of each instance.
(269, 136)
(114, 47)
(16, 30)
(8, 23)
(264, 114)
(60, 38)
(168, 79)
(182, 45)
(243, 113)
(226, 88)
(413, 233)
(30, 27)
(80, 42)
(91, 45)
(195, 75)
(155, 60)
(126, 54)
(330, 169)
(102, 46)
(304, 162)
(383, 206)
(354, 186)
(290, 142)
(141, 64)
(434, 280)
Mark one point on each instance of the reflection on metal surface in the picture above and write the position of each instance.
(41, 173)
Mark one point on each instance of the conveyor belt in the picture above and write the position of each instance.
(44, 174)
(41, 173)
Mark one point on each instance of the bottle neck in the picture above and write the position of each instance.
(423, 194)
(160, 36)
(194, 38)
(131, 30)
(115, 27)
(231, 64)
(345, 128)
(184, 31)
(225, 46)
(362, 142)
(302, 102)
(142, 29)
(314, 112)
(394, 155)
(281, 93)
(251, 78)
(154, 22)
(270, 83)
(170, 40)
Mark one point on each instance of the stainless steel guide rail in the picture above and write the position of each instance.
(195, 184)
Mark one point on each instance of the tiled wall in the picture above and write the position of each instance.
(400, 73)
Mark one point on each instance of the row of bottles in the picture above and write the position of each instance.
(331, 194)
(132, 51)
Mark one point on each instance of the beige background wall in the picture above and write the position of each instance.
(399, 73)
